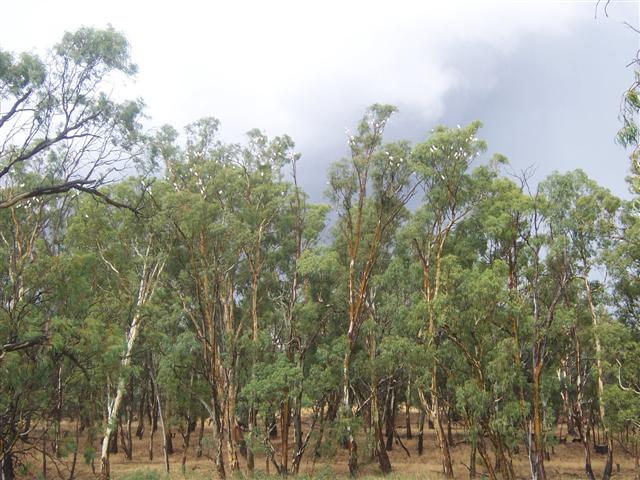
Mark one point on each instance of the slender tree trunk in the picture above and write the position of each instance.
(582, 428)
(443, 441)
(186, 437)
(6, 468)
(44, 457)
(472, 460)
(297, 423)
(482, 450)
(164, 430)
(636, 455)
(232, 444)
(200, 437)
(408, 411)
(380, 447)
(536, 450)
(255, 263)
(450, 438)
(140, 427)
(390, 418)
(378, 420)
(153, 423)
(606, 475)
(285, 417)
(421, 431)
(129, 430)
(58, 414)
(76, 447)
(146, 288)
(352, 445)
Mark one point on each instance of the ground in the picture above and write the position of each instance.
(566, 462)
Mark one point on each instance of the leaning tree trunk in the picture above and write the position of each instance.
(148, 280)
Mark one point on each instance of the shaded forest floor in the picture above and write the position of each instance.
(566, 460)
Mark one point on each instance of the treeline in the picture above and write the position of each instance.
(208, 287)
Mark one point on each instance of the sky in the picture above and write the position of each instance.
(545, 78)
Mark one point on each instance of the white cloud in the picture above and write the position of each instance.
(284, 65)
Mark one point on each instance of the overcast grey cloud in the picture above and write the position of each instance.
(544, 77)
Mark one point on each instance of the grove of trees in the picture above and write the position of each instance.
(153, 283)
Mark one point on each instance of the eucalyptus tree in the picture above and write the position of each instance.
(132, 254)
(29, 270)
(484, 312)
(201, 182)
(262, 199)
(390, 341)
(622, 341)
(451, 192)
(369, 191)
(225, 203)
(586, 214)
(298, 317)
(58, 118)
(546, 276)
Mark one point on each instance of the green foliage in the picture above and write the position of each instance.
(249, 308)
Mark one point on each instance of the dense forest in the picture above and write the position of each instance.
(164, 284)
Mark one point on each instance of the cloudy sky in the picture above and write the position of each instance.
(544, 77)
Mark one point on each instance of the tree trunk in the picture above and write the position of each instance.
(146, 288)
(186, 437)
(636, 460)
(285, 417)
(164, 430)
(58, 414)
(472, 460)
(407, 411)
(6, 468)
(44, 457)
(153, 425)
(76, 447)
(297, 427)
(606, 475)
(168, 440)
(421, 431)
(579, 415)
(536, 448)
(443, 441)
(200, 437)
(482, 450)
(140, 427)
(390, 418)
(352, 445)
(380, 448)
(377, 418)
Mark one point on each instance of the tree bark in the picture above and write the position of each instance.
(421, 431)
(606, 475)
(148, 279)
(408, 411)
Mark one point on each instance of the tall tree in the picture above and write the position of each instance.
(450, 193)
(364, 220)
(58, 120)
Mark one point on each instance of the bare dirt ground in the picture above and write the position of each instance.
(566, 462)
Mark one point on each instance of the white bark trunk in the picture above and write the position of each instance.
(148, 282)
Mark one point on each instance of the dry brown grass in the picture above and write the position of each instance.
(567, 462)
